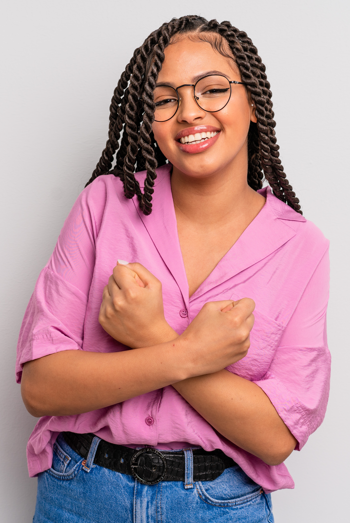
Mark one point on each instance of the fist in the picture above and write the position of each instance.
(132, 309)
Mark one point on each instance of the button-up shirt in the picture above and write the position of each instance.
(280, 261)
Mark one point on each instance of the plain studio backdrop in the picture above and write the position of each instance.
(61, 60)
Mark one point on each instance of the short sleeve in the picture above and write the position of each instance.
(298, 379)
(54, 318)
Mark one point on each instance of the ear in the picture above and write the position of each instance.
(253, 117)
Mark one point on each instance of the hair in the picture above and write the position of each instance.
(130, 139)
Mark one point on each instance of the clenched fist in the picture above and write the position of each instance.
(132, 307)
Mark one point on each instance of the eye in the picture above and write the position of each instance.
(166, 102)
(213, 92)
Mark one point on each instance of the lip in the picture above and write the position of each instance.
(197, 129)
(198, 147)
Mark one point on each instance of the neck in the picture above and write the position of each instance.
(215, 200)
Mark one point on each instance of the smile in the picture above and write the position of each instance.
(197, 138)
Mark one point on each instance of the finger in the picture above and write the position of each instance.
(112, 286)
(105, 294)
(222, 306)
(228, 307)
(125, 277)
(244, 307)
(135, 275)
(145, 276)
(249, 322)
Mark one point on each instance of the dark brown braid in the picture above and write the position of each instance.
(132, 111)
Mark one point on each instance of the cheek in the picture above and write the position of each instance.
(236, 119)
(157, 132)
(161, 135)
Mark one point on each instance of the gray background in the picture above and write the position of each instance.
(61, 60)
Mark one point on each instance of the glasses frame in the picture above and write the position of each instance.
(194, 94)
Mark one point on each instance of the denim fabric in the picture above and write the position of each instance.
(74, 490)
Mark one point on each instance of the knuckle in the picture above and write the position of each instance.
(240, 338)
(209, 305)
(246, 345)
(116, 304)
(108, 314)
(236, 321)
(243, 336)
(102, 317)
(130, 294)
(249, 303)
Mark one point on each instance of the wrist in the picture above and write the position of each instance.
(161, 333)
(183, 353)
(165, 333)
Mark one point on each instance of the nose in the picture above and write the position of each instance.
(189, 110)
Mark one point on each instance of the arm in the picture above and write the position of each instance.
(74, 381)
(254, 416)
(240, 411)
(277, 414)
(220, 397)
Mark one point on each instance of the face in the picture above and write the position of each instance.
(227, 150)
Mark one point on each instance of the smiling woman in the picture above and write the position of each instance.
(202, 359)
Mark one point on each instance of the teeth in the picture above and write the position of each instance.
(197, 138)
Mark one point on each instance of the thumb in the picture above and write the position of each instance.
(143, 274)
(228, 307)
(134, 273)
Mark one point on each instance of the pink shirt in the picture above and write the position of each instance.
(280, 261)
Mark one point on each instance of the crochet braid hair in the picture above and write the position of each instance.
(130, 137)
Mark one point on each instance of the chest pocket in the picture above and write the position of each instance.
(264, 338)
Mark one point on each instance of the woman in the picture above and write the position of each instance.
(164, 402)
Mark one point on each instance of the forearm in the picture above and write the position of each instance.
(73, 382)
(240, 411)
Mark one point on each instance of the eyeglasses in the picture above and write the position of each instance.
(211, 93)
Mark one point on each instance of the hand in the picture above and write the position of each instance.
(132, 307)
(218, 336)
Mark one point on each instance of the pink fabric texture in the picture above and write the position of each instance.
(280, 261)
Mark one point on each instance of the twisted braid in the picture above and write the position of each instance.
(130, 135)
(116, 121)
(264, 145)
(145, 139)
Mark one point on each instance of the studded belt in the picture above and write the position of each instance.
(148, 465)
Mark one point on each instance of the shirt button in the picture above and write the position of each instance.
(149, 421)
(183, 313)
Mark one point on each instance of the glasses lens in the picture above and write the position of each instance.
(212, 93)
(166, 101)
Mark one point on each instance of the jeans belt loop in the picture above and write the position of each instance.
(188, 468)
(88, 462)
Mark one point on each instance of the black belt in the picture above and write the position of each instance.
(149, 466)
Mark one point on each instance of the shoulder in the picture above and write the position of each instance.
(106, 186)
(106, 190)
(110, 187)
(306, 235)
(101, 202)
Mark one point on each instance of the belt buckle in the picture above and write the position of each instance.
(134, 463)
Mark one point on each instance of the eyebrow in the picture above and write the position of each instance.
(194, 78)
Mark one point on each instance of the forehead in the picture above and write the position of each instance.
(186, 59)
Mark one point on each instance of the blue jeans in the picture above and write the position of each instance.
(76, 492)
